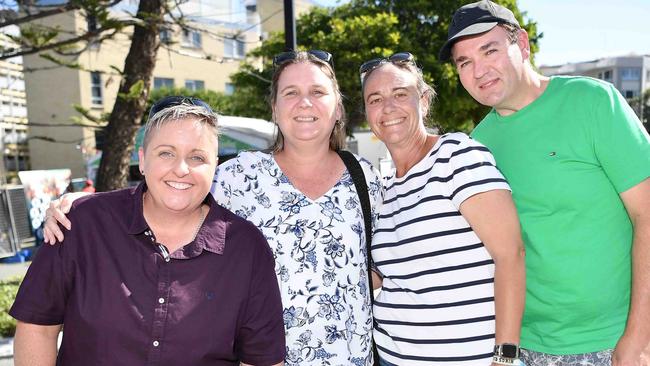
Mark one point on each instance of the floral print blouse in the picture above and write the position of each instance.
(320, 255)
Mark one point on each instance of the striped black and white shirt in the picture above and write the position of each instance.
(436, 306)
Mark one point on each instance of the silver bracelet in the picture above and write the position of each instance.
(505, 360)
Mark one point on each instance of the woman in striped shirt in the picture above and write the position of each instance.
(448, 243)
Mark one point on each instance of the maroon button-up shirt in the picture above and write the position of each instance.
(124, 301)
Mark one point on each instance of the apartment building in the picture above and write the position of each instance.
(629, 74)
(14, 151)
(223, 31)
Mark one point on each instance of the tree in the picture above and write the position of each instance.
(352, 38)
(365, 29)
(423, 25)
(641, 106)
(129, 107)
(63, 48)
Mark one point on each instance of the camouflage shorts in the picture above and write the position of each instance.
(600, 358)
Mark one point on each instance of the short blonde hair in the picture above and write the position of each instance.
(179, 112)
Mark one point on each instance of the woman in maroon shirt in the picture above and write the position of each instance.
(158, 274)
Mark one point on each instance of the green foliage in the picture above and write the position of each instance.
(364, 29)
(8, 291)
(87, 115)
(641, 106)
(135, 91)
(351, 37)
(61, 61)
(36, 35)
(423, 26)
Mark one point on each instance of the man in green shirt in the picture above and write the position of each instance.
(578, 161)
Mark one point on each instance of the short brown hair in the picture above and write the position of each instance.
(512, 31)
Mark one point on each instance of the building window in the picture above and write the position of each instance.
(234, 48)
(229, 89)
(605, 75)
(191, 39)
(194, 85)
(96, 88)
(163, 83)
(18, 84)
(630, 73)
(165, 36)
(92, 28)
(92, 24)
(630, 94)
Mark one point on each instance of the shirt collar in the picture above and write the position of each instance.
(138, 223)
(211, 236)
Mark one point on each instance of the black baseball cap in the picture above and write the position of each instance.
(475, 18)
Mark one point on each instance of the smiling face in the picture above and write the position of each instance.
(306, 105)
(492, 68)
(179, 161)
(395, 108)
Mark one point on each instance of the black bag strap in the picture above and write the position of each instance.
(359, 180)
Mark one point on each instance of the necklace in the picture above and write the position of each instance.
(203, 214)
(198, 227)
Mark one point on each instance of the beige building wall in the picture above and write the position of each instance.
(52, 93)
(272, 13)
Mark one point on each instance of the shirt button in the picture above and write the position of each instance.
(161, 301)
(156, 343)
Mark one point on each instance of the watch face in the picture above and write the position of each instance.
(509, 350)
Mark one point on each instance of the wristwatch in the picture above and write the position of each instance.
(506, 350)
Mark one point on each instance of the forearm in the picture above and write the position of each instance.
(492, 215)
(376, 280)
(638, 322)
(35, 345)
(509, 295)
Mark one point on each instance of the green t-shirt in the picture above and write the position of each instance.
(567, 156)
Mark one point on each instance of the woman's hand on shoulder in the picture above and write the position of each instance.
(56, 214)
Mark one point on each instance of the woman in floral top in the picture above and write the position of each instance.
(304, 201)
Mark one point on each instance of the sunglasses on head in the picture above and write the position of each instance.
(400, 58)
(284, 57)
(175, 100)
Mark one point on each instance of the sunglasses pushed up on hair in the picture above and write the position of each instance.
(284, 57)
(399, 58)
(174, 100)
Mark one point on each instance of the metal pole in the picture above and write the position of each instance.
(3, 171)
(289, 26)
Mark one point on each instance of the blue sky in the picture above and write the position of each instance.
(582, 30)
